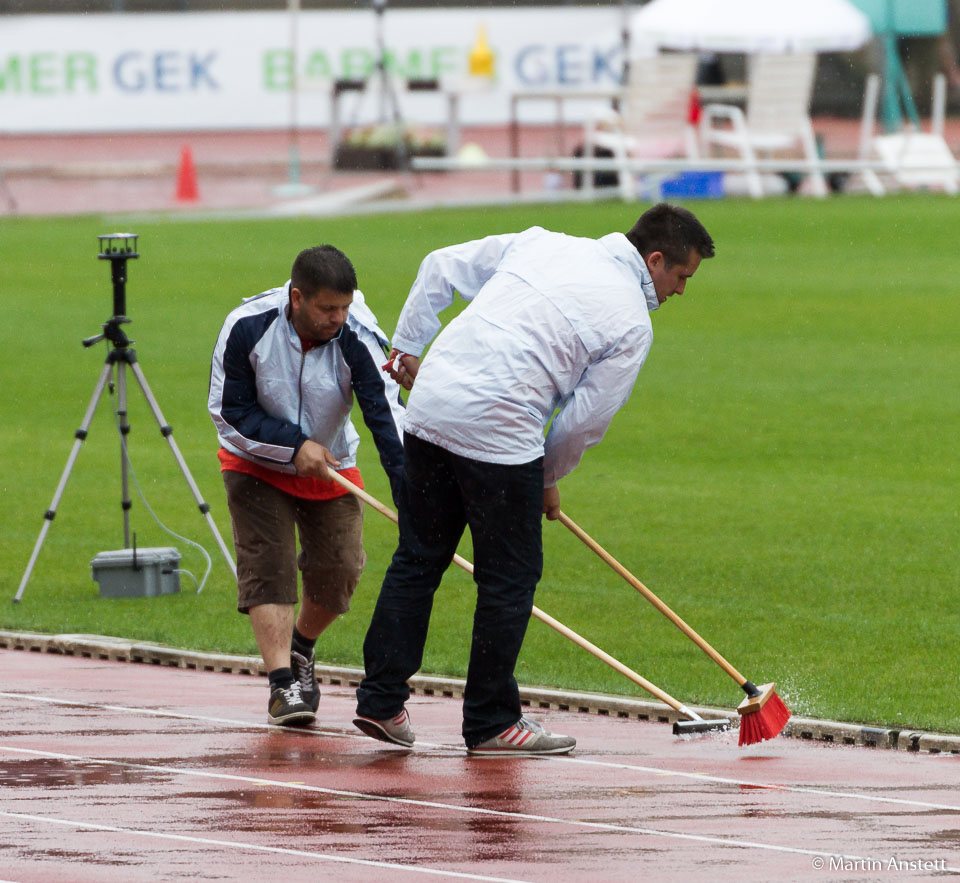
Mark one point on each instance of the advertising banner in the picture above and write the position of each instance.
(249, 70)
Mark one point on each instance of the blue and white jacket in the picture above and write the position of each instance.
(267, 397)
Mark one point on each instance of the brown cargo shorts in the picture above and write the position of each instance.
(266, 522)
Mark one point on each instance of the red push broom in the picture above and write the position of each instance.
(695, 724)
(762, 714)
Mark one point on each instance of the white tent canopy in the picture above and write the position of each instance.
(749, 26)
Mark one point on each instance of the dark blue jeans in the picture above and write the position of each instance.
(442, 493)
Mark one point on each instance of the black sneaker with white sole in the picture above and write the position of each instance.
(287, 708)
(303, 671)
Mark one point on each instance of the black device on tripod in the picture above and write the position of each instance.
(118, 248)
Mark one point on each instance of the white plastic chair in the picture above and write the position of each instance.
(914, 159)
(868, 123)
(777, 117)
(653, 121)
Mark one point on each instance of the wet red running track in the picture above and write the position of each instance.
(115, 771)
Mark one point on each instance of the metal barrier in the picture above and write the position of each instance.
(588, 165)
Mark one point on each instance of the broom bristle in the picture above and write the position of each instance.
(766, 723)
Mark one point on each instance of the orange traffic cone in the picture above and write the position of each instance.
(187, 178)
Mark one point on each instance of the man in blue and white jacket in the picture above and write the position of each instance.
(555, 332)
(286, 369)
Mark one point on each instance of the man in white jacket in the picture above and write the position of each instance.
(556, 331)
(286, 369)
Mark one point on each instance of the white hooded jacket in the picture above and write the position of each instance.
(556, 331)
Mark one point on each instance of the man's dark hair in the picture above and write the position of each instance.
(671, 230)
(323, 267)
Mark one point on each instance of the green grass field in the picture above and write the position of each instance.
(785, 475)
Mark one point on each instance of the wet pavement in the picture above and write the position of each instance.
(116, 771)
(241, 172)
(252, 171)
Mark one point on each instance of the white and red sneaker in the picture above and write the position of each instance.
(526, 736)
(395, 729)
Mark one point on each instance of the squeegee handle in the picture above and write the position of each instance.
(652, 598)
(615, 664)
(602, 655)
(569, 633)
(363, 495)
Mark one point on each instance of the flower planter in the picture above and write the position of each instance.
(358, 157)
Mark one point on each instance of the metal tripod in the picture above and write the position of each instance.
(118, 248)
(389, 104)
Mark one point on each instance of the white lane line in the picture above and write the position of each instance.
(176, 715)
(237, 845)
(764, 786)
(660, 771)
(446, 807)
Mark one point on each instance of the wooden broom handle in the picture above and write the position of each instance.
(653, 599)
(580, 641)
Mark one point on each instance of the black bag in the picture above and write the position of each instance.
(600, 179)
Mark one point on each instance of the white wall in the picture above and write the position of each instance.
(151, 72)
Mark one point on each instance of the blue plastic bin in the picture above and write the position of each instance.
(693, 185)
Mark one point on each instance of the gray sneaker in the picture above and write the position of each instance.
(526, 736)
(396, 729)
(303, 671)
(287, 708)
